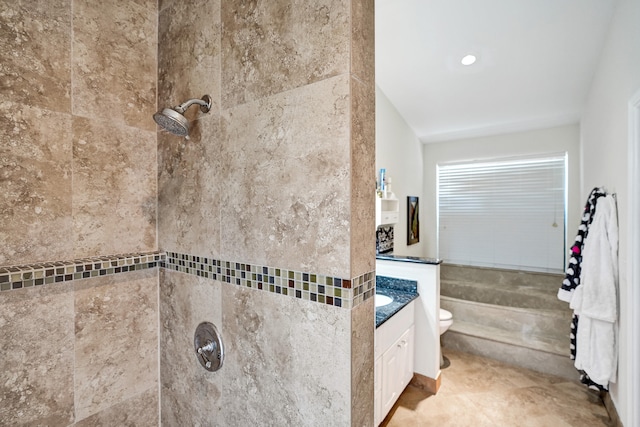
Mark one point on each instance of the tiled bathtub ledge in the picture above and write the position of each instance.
(29, 275)
(335, 291)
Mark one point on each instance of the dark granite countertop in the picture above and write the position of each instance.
(406, 258)
(402, 291)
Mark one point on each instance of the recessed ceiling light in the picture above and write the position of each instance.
(468, 60)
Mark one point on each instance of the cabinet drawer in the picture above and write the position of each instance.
(388, 217)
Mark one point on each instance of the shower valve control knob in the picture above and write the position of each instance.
(207, 344)
(209, 348)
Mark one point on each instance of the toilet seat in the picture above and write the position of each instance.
(446, 320)
(445, 315)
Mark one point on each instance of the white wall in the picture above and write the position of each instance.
(546, 141)
(399, 151)
(604, 134)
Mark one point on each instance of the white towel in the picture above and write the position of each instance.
(597, 350)
(596, 299)
(598, 290)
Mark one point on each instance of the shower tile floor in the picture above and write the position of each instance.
(477, 391)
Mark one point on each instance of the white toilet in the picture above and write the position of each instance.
(446, 320)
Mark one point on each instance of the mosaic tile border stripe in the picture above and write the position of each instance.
(336, 291)
(25, 276)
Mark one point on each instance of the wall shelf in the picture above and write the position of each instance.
(387, 210)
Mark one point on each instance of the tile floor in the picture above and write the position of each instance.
(477, 391)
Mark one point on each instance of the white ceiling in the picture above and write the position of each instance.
(536, 59)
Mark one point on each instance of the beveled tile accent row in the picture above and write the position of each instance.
(24, 276)
(336, 291)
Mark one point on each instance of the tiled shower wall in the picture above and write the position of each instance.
(78, 174)
(277, 175)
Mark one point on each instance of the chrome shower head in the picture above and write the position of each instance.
(173, 120)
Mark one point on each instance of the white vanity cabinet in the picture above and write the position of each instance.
(394, 348)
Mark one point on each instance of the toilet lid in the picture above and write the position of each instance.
(445, 314)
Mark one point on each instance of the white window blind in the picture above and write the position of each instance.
(504, 214)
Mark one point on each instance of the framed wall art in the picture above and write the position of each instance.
(413, 224)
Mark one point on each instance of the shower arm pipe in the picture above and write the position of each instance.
(204, 103)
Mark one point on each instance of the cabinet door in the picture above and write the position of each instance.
(397, 369)
(377, 403)
(406, 357)
(391, 373)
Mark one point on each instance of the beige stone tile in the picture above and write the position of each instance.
(577, 391)
(189, 171)
(362, 363)
(514, 376)
(116, 331)
(532, 405)
(267, 357)
(404, 410)
(35, 53)
(289, 364)
(185, 301)
(35, 185)
(163, 4)
(576, 404)
(539, 421)
(468, 374)
(363, 42)
(285, 198)
(435, 410)
(412, 397)
(270, 47)
(189, 54)
(189, 190)
(504, 405)
(36, 354)
(403, 417)
(114, 65)
(363, 148)
(139, 411)
(114, 188)
(516, 397)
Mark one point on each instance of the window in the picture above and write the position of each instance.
(504, 213)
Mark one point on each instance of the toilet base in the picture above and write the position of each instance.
(444, 362)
